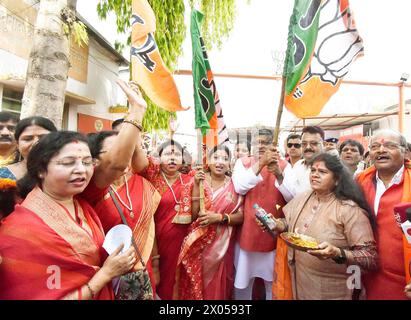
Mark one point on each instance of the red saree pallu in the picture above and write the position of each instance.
(169, 237)
(394, 253)
(172, 221)
(46, 254)
(145, 200)
(205, 269)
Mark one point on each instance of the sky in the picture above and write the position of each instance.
(260, 34)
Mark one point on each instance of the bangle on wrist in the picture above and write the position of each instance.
(225, 219)
(342, 258)
(91, 291)
(156, 257)
(134, 123)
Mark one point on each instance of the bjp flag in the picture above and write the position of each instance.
(208, 113)
(322, 44)
(148, 68)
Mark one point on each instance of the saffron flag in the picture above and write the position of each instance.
(208, 113)
(322, 43)
(148, 68)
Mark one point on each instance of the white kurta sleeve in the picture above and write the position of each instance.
(244, 179)
(288, 188)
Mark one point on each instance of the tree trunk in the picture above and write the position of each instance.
(48, 65)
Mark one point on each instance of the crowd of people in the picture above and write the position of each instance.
(194, 227)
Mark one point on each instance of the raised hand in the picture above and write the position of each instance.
(138, 105)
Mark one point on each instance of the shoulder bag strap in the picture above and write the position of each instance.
(123, 218)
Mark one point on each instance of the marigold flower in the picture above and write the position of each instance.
(6, 184)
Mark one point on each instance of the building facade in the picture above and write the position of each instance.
(91, 93)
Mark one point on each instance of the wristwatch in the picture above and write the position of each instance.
(225, 219)
(342, 258)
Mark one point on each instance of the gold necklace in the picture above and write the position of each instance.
(177, 206)
(211, 182)
(130, 206)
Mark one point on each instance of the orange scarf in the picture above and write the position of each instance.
(406, 197)
(282, 286)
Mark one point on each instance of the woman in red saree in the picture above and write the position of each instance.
(173, 215)
(136, 196)
(205, 268)
(51, 245)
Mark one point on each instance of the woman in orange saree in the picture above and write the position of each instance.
(205, 269)
(51, 245)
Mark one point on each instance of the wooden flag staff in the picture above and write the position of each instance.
(279, 113)
(200, 166)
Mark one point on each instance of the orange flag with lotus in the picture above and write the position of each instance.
(323, 42)
(148, 68)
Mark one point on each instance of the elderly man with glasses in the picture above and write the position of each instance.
(386, 184)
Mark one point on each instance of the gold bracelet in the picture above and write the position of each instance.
(157, 257)
(134, 123)
(228, 219)
(91, 291)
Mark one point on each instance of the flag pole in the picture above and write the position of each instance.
(200, 166)
(279, 112)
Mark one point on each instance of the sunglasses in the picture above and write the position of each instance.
(296, 145)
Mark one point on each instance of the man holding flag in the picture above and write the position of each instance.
(255, 250)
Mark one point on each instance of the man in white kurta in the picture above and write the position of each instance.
(255, 249)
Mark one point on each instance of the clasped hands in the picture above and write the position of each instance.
(271, 159)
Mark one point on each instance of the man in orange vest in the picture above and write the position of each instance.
(385, 184)
(255, 249)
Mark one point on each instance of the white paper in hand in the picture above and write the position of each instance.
(406, 228)
(120, 234)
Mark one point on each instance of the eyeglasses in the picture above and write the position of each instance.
(387, 145)
(296, 145)
(71, 162)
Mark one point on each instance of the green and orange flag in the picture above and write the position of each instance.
(148, 68)
(322, 44)
(208, 113)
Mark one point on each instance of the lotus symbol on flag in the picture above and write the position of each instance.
(338, 44)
